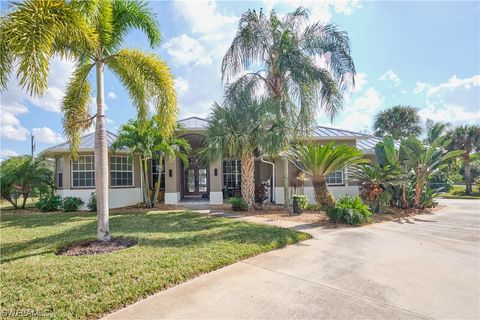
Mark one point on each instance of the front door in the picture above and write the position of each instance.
(196, 179)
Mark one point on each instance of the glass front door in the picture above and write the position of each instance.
(196, 178)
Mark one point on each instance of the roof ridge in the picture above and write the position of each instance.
(357, 133)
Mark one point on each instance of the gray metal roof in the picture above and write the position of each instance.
(87, 142)
(193, 123)
(327, 132)
(369, 144)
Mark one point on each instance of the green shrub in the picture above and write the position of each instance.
(70, 204)
(313, 207)
(349, 210)
(49, 203)
(427, 199)
(92, 202)
(238, 204)
(302, 200)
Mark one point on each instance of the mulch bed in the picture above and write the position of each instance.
(91, 247)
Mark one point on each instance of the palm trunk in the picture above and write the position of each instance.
(159, 180)
(322, 195)
(101, 162)
(248, 179)
(403, 197)
(286, 189)
(147, 184)
(25, 197)
(468, 173)
(144, 183)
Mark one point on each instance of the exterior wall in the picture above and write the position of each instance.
(172, 184)
(216, 182)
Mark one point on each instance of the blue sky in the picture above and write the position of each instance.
(420, 53)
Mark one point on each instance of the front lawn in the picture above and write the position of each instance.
(172, 248)
(458, 192)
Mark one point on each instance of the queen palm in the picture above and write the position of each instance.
(92, 33)
(398, 122)
(466, 138)
(286, 52)
(318, 161)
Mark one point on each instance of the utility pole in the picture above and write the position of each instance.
(33, 146)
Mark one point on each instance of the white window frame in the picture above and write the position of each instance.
(83, 170)
(130, 163)
(237, 174)
(58, 161)
(337, 183)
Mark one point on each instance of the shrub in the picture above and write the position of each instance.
(427, 199)
(238, 204)
(349, 210)
(477, 183)
(313, 207)
(92, 202)
(261, 193)
(49, 203)
(71, 204)
(302, 200)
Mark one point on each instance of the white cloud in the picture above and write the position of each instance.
(391, 76)
(450, 113)
(186, 50)
(181, 85)
(47, 135)
(360, 81)
(112, 95)
(7, 153)
(10, 125)
(454, 84)
(420, 87)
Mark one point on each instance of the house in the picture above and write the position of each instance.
(199, 182)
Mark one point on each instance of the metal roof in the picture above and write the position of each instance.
(369, 144)
(87, 142)
(327, 132)
(194, 123)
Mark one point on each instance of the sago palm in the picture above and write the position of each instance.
(92, 33)
(398, 122)
(318, 161)
(424, 160)
(285, 51)
(243, 128)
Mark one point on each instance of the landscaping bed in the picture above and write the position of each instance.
(172, 247)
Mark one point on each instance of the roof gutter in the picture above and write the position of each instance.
(273, 177)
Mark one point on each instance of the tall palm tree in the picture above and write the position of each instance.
(425, 160)
(318, 161)
(243, 127)
(92, 33)
(286, 53)
(435, 130)
(466, 138)
(398, 122)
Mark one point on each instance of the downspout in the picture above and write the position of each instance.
(272, 191)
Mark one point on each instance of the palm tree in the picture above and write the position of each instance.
(425, 160)
(92, 33)
(435, 130)
(398, 122)
(466, 138)
(243, 127)
(318, 161)
(286, 52)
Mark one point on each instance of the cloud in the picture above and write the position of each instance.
(10, 125)
(112, 95)
(420, 87)
(47, 135)
(391, 76)
(455, 84)
(181, 85)
(7, 153)
(186, 50)
(360, 81)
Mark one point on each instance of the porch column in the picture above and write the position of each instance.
(216, 185)
(172, 192)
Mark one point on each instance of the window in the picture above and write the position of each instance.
(232, 177)
(59, 172)
(83, 172)
(335, 178)
(121, 173)
(155, 168)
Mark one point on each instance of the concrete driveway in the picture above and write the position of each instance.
(424, 267)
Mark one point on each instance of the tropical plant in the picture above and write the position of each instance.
(427, 199)
(92, 202)
(435, 130)
(373, 180)
(424, 160)
(349, 210)
(302, 200)
(285, 52)
(243, 127)
(238, 204)
(49, 203)
(318, 161)
(261, 193)
(398, 122)
(21, 176)
(467, 139)
(70, 204)
(92, 33)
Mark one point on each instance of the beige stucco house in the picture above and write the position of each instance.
(199, 182)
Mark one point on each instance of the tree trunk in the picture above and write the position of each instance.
(101, 161)
(286, 183)
(468, 173)
(147, 185)
(157, 187)
(25, 197)
(248, 179)
(322, 195)
(144, 183)
(403, 197)
(418, 192)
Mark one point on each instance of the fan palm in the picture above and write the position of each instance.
(318, 161)
(425, 160)
(243, 127)
(287, 51)
(92, 33)
(398, 122)
(435, 130)
(466, 138)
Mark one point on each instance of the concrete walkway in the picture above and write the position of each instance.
(419, 268)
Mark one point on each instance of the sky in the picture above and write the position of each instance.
(424, 54)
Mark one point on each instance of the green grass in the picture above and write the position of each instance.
(172, 248)
(458, 192)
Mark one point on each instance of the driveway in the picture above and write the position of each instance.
(423, 267)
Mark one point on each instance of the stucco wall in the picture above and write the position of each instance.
(119, 197)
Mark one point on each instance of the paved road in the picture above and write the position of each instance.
(421, 268)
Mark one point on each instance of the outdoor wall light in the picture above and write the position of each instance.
(215, 172)
(170, 172)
